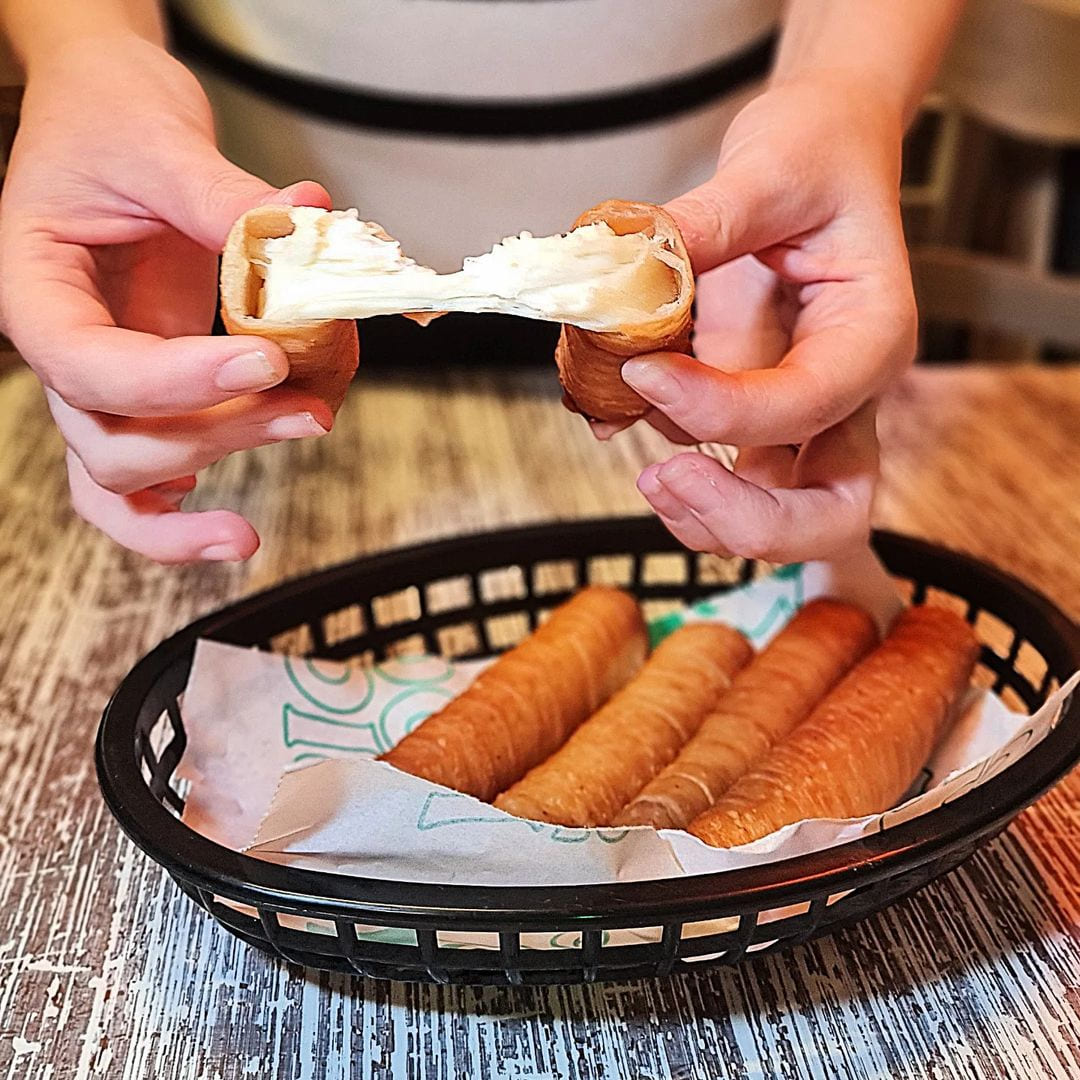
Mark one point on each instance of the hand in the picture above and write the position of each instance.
(115, 206)
(805, 314)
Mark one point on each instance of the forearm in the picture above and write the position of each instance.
(37, 29)
(890, 49)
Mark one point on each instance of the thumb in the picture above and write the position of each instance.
(726, 217)
(209, 193)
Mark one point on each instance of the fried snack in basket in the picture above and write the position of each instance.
(323, 355)
(521, 709)
(776, 690)
(617, 751)
(590, 362)
(861, 749)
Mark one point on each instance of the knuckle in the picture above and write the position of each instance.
(714, 214)
(224, 187)
(708, 204)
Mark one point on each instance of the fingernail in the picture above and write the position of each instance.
(220, 553)
(294, 426)
(684, 469)
(648, 483)
(248, 371)
(652, 380)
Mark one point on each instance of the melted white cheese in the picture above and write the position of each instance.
(335, 266)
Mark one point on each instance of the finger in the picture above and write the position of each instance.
(744, 207)
(750, 351)
(142, 290)
(59, 320)
(672, 512)
(149, 524)
(743, 301)
(740, 326)
(825, 377)
(767, 466)
(669, 429)
(730, 352)
(61, 326)
(603, 430)
(123, 455)
(205, 193)
(712, 509)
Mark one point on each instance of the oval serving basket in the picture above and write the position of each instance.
(391, 929)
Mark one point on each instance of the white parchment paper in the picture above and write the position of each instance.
(280, 760)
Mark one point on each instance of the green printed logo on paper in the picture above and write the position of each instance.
(782, 609)
(300, 728)
(443, 808)
(344, 692)
(447, 808)
(344, 719)
(407, 709)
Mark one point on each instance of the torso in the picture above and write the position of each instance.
(456, 122)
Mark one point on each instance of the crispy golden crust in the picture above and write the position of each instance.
(864, 744)
(590, 362)
(522, 708)
(617, 751)
(322, 355)
(776, 690)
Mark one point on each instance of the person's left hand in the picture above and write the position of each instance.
(805, 314)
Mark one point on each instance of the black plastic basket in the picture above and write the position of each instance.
(1029, 648)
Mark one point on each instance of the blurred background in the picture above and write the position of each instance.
(991, 193)
(992, 188)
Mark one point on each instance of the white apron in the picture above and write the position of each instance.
(454, 123)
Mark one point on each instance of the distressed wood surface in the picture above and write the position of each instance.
(107, 970)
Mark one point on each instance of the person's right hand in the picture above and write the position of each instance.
(115, 206)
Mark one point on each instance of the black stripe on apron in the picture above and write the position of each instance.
(482, 119)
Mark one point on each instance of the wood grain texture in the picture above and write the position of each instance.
(107, 971)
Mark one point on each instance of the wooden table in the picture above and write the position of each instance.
(107, 970)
